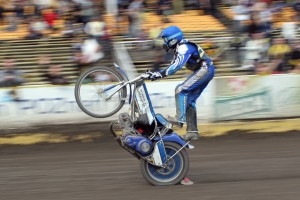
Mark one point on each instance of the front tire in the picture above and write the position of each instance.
(94, 86)
(176, 170)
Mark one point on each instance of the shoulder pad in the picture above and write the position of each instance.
(182, 49)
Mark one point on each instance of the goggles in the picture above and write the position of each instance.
(165, 39)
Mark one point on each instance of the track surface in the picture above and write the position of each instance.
(232, 167)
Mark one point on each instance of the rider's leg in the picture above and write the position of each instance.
(180, 100)
(188, 92)
(191, 123)
(191, 113)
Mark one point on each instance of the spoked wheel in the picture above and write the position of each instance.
(175, 170)
(93, 92)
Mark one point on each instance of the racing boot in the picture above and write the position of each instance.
(175, 122)
(191, 135)
(191, 124)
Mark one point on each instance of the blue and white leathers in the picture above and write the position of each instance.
(188, 92)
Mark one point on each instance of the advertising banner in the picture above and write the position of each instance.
(225, 98)
(27, 106)
(247, 97)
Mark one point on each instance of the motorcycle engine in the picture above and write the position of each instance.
(139, 143)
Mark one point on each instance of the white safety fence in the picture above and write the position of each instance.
(226, 98)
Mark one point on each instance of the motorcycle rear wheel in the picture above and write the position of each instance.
(94, 86)
(176, 170)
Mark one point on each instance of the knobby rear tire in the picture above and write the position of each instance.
(178, 165)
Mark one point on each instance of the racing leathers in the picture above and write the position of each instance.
(195, 59)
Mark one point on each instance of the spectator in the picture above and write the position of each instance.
(255, 26)
(9, 75)
(62, 8)
(75, 13)
(50, 17)
(69, 12)
(255, 48)
(122, 15)
(42, 4)
(111, 7)
(134, 17)
(36, 27)
(19, 9)
(263, 68)
(86, 52)
(91, 50)
(241, 14)
(54, 76)
(95, 28)
(86, 11)
(10, 16)
(289, 28)
(279, 48)
(264, 12)
(165, 9)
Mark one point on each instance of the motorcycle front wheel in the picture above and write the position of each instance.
(98, 92)
(175, 170)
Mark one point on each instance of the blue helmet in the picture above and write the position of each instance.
(171, 36)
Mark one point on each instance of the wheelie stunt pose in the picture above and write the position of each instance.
(102, 91)
(192, 56)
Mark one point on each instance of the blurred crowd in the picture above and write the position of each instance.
(83, 20)
(263, 49)
(42, 16)
(70, 16)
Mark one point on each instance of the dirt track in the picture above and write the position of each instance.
(231, 167)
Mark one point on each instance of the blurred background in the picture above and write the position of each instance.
(52, 41)
(46, 44)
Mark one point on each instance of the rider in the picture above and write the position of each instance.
(192, 56)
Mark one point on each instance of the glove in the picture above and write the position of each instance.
(154, 76)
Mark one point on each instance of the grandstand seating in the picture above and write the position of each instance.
(27, 52)
(189, 20)
(278, 18)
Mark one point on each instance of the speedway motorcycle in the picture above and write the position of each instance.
(102, 91)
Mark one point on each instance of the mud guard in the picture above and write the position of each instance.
(174, 137)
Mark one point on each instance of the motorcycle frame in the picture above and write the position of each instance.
(157, 135)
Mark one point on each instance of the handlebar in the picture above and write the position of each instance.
(143, 76)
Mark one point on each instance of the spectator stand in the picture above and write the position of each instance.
(26, 54)
(200, 28)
